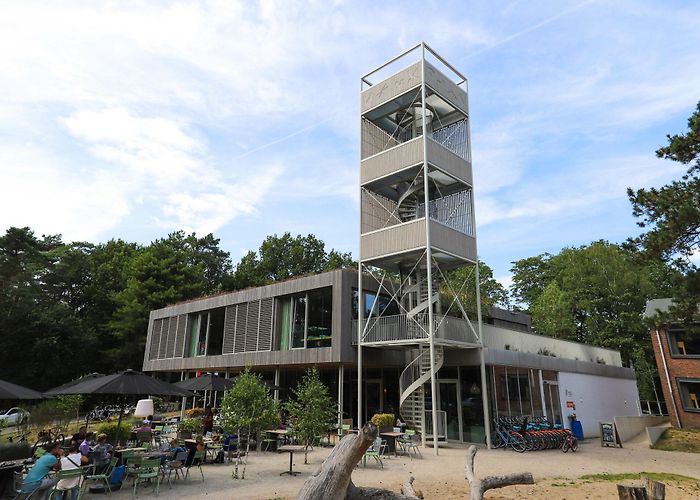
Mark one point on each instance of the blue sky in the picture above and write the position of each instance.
(131, 120)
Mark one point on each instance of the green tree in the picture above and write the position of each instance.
(312, 410)
(552, 313)
(463, 283)
(248, 408)
(671, 217)
(283, 257)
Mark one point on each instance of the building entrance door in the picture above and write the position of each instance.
(373, 398)
(448, 401)
(551, 401)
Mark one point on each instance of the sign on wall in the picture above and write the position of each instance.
(609, 435)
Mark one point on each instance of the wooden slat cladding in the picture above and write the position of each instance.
(251, 330)
(239, 338)
(265, 325)
(172, 333)
(392, 160)
(447, 89)
(229, 329)
(155, 339)
(392, 87)
(181, 335)
(394, 239)
(164, 338)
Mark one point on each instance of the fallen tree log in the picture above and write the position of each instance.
(477, 486)
(333, 477)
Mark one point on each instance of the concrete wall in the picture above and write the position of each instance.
(629, 427)
(499, 338)
(654, 433)
(597, 399)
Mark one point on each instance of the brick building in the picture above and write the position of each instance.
(677, 353)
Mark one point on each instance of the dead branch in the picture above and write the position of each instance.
(477, 486)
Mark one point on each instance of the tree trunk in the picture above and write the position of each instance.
(407, 492)
(625, 492)
(247, 452)
(477, 487)
(656, 490)
(332, 478)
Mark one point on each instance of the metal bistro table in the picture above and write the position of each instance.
(290, 448)
(393, 444)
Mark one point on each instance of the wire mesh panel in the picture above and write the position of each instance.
(454, 138)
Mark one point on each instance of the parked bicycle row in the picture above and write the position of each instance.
(525, 434)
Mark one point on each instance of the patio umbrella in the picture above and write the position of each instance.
(208, 382)
(57, 390)
(8, 390)
(126, 383)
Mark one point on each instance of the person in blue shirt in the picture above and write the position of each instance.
(37, 479)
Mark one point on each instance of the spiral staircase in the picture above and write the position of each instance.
(411, 387)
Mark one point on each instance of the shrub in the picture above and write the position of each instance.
(383, 420)
(110, 428)
(194, 412)
(15, 451)
(193, 425)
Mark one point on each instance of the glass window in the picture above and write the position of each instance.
(320, 316)
(193, 335)
(385, 306)
(683, 343)
(690, 394)
(216, 332)
(298, 321)
(285, 323)
(202, 335)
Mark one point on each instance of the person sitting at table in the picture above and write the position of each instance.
(148, 420)
(87, 443)
(146, 425)
(102, 452)
(73, 460)
(37, 479)
(79, 436)
(172, 452)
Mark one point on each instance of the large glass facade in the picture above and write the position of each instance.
(305, 320)
(215, 336)
(517, 392)
(384, 307)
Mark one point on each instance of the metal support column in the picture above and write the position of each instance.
(482, 362)
(340, 399)
(360, 313)
(277, 384)
(184, 400)
(429, 260)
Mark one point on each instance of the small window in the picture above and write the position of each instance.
(683, 343)
(385, 305)
(690, 394)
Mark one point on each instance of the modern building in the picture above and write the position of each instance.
(413, 347)
(677, 353)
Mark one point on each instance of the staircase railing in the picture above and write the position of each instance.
(441, 424)
(401, 327)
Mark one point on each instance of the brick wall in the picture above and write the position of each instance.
(677, 368)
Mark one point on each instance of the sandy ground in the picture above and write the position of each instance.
(556, 474)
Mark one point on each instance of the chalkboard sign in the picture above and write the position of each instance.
(609, 435)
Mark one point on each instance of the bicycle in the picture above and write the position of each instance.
(570, 442)
(21, 438)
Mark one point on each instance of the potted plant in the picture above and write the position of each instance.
(188, 427)
(383, 421)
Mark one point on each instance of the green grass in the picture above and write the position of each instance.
(664, 477)
(687, 440)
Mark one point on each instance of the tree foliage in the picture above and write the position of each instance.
(248, 408)
(463, 282)
(671, 216)
(312, 410)
(593, 294)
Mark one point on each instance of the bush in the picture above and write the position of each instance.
(193, 425)
(194, 412)
(15, 451)
(383, 420)
(110, 428)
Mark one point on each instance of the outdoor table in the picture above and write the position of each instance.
(290, 448)
(392, 442)
(279, 433)
(7, 476)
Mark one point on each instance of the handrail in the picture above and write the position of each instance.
(401, 327)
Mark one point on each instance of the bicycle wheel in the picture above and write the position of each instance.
(565, 447)
(516, 442)
(497, 440)
(574, 444)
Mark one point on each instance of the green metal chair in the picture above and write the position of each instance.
(133, 464)
(105, 476)
(67, 474)
(408, 443)
(176, 465)
(197, 461)
(149, 470)
(374, 451)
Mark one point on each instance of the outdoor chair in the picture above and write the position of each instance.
(149, 470)
(144, 437)
(196, 462)
(132, 463)
(408, 443)
(18, 481)
(176, 465)
(67, 474)
(345, 429)
(105, 476)
(230, 446)
(375, 451)
(268, 441)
